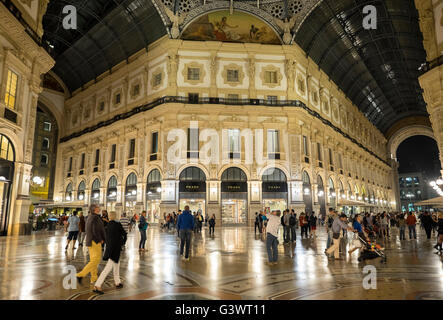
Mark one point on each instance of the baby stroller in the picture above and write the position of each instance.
(371, 250)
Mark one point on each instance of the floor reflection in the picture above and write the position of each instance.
(230, 265)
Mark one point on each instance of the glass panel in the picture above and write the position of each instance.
(131, 180)
(11, 89)
(234, 140)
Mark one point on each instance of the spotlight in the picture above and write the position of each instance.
(80, 197)
(159, 189)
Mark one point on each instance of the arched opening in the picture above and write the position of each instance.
(275, 189)
(7, 159)
(332, 195)
(419, 164)
(234, 195)
(153, 195)
(131, 192)
(68, 194)
(44, 154)
(192, 190)
(307, 192)
(321, 196)
(95, 192)
(111, 194)
(81, 191)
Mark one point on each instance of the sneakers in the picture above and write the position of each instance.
(96, 290)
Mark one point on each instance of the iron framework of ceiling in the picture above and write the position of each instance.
(377, 69)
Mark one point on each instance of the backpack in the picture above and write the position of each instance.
(292, 220)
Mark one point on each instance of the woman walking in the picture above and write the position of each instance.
(115, 239)
(212, 224)
(142, 227)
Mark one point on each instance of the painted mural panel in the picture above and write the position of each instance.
(235, 27)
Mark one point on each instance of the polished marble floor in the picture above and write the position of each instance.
(232, 265)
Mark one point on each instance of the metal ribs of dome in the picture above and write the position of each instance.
(377, 69)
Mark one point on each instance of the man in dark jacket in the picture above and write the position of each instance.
(427, 222)
(185, 225)
(95, 236)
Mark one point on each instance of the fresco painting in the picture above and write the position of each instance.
(236, 27)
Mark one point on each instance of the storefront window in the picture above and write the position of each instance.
(274, 190)
(111, 194)
(234, 196)
(192, 190)
(131, 192)
(153, 196)
(95, 192)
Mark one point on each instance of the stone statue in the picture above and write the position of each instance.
(176, 20)
(286, 25)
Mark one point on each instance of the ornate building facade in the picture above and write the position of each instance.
(265, 106)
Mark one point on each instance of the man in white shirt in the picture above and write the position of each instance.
(274, 223)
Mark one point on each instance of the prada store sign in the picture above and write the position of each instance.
(234, 186)
(192, 186)
(275, 187)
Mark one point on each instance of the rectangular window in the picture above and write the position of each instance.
(193, 73)
(70, 165)
(136, 90)
(331, 159)
(97, 157)
(232, 75)
(193, 97)
(102, 106)
(233, 97)
(45, 144)
(305, 146)
(320, 157)
(234, 140)
(113, 153)
(44, 160)
(273, 144)
(131, 149)
(154, 142)
(272, 99)
(192, 142)
(82, 162)
(47, 126)
(117, 98)
(11, 90)
(340, 163)
(157, 79)
(271, 77)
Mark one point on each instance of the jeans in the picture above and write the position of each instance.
(81, 237)
(412, 231)
(272, 247)
(185, 239)
(304, 229)
(293, 234)
(328, 242)
(95, 256)
(402, 233)
(111, 265)
(287, 234)
(428, 230)
(211, 228)
(257, 226)
(142, 239)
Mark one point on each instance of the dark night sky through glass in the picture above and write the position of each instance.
(419, 153)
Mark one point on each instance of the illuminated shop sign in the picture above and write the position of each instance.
(275, 187)
(192, 186)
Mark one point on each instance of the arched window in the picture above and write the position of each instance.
(81, 190)
(131, 185)
(319, 181)
(274, 174)
(305, 178)
(192, 174)
(234, 174)
(69, 192)
(112, 189)
(154, 176)
(6, 149)
(331, 184)
(95, 194)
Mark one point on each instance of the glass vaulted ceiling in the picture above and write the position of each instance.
(377, 69)
(108, 32)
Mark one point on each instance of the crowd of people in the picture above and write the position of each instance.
(105, 235)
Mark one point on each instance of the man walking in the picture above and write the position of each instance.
(338, 225)
(257, 223)
(411, 221)
(287, 226)
(293, 225)
(125, 222)
(95, 236)
(272, 236)
(81, 227)
(185, 225)
(73, 229)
